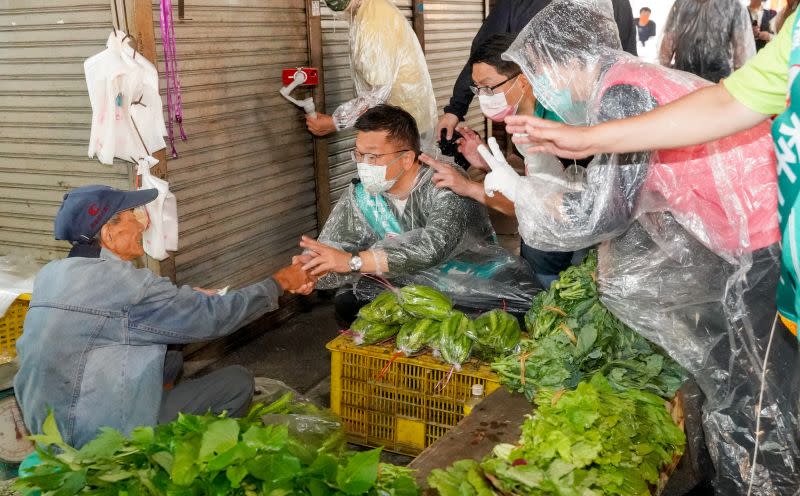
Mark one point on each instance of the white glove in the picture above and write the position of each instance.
(502, 178)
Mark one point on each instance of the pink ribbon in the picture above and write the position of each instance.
(174, 100)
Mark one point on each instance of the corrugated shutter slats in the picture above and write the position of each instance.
(245, 179)
(450, 26)
(45, 117)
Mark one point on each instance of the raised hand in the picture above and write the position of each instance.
(449, 122)
(468, 146)
(502, 178)
(446, 176)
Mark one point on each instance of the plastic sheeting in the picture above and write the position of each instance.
(16, 277)
(688, 254)
(388, 67)
(709, 38)
(445, 238)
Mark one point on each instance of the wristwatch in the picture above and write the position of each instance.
(355, 263)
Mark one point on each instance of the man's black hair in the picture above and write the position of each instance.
(399, 125)
(645, 8)
(490, 51)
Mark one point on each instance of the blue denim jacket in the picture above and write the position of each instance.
(96, 335)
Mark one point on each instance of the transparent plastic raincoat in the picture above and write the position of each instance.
(388, 66)
(709, 38)
(688, 252)
(439, 239)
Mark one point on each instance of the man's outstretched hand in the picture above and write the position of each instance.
(322, 258)
(295, 280)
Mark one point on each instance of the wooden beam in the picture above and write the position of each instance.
(321, 169)
(418, 20)
(143, 32)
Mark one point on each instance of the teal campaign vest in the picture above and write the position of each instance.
(786, 133)
(382, 220)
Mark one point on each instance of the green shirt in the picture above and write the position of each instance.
(541, 112)
(762, 83)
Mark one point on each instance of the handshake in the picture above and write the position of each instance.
(294, 279)
(301, 276)
(317, 260)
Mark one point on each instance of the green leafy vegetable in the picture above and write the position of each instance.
(385, 309)
(202, 455)
(425, 302)
(416, 334)
(368, 332)
(454, 342)
(573, 336)
(496, 334)
(590, 441)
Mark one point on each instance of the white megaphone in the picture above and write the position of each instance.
(302, 76)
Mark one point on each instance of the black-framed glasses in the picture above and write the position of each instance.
(371, 158)
(489, 90)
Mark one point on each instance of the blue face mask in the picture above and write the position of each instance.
(558, 101)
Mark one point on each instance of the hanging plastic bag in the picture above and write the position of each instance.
(126, 105)
(161, 234)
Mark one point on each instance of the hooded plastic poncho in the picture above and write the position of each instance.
(388, 66)
(441, 240)
(688, 252)
(709, 38)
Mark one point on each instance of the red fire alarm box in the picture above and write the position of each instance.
(312, 76)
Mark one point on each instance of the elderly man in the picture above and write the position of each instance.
(395, 224)
(97, 330)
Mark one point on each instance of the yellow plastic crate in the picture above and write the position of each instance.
(11, 327)
(403, 411)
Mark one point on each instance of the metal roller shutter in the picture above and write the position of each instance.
(45, 117)
(245, 179)
(339, 89)
(450, 26)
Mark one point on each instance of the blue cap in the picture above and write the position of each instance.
(86, 209)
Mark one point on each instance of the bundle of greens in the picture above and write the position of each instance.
(368, 332)
(573, 293)
(425, 302)
(590, 441)
(454, 343)
(417, 334)
(418, 316)
(573, 336)
(379, 320)
(496, 333)
(206, 455)
(385, 309)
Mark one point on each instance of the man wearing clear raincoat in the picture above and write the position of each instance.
(394, 227)
(688, 249)
(388, 66)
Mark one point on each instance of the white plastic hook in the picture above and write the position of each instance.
(306, 104)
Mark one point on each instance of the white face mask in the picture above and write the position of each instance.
(373, 177)
(496, 106)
